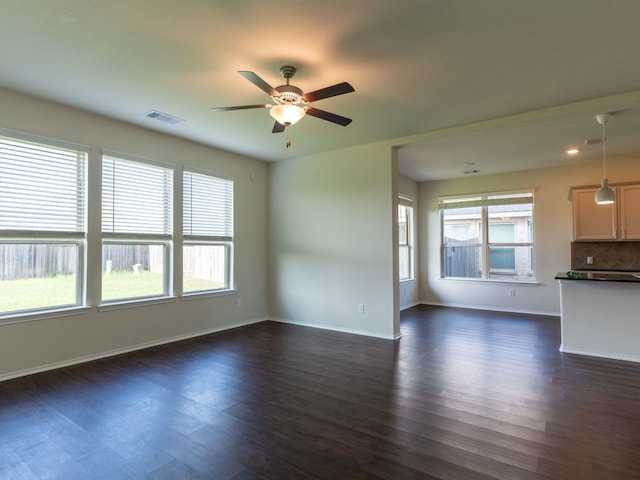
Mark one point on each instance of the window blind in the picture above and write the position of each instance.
(137, 197)
(42, 187)
(207, 207)
(517, 198)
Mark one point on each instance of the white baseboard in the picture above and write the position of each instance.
(365, 333)
(493, 309)
(120, 351)
(611, 356)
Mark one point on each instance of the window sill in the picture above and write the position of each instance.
(480, 281)
(139, 302)
(42, 315)
(207, 294)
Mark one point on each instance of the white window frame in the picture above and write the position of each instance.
(48, 231)
(407, 203)
(483, 201)
(216, 230)
(119, 235)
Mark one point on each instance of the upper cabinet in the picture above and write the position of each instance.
(629, 212)
(617, 221)
(590, 220)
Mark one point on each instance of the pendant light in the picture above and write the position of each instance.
(605, 195)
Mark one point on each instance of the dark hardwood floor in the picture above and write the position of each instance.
(463, 395)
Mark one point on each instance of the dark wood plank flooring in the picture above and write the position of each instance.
(463, 395)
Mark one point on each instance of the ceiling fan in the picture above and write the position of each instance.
(291, 103)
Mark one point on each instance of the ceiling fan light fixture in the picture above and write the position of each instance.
(287, 115)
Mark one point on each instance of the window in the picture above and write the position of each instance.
(42, 225)
(137, 227)
(207, 231)
(405, 238)
(488, 229)
(502, 259)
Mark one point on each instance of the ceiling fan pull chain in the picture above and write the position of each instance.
(288, 144)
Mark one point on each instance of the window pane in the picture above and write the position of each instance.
(502, 258)
(132, 271)
(204, 267)
(510, 223)
(510, 263)
(404, 261)
(462, 225)
(207, 206)
(458, 233)
(403, 226)
(136, 197)
(461, 261)
(41, 187)
(502, 232)
(38, 276)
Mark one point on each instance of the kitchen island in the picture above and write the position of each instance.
(600, 314)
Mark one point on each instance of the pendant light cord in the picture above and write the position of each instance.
(604, 154)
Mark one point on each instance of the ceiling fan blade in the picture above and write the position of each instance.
(258, 82)
(332, 91)
(278, 128)
(331, 117)
(240, 107)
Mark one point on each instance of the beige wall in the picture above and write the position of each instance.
(331, 241)
(314, 238)
(553, 234)
(36, 344)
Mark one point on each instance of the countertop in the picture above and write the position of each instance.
(631, 277)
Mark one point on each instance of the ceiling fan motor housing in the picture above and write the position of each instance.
(289, 95)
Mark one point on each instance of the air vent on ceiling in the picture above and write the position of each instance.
(163, 117)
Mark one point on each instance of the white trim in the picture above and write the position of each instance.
(120, 351)
(47, 141)
(41, 314)
(611, 356)
(136, 159)
(207, 293)
(188, 169)
(525, 196)
(336, 329)
(406, 200)
(490, 281)
(493, 308)
(136, 302)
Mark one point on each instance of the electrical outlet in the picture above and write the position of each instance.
(238, 303)
(512, 292)
(361, 308)
(589, 260)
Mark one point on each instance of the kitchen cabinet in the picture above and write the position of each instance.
(617, 221)
(629, 211)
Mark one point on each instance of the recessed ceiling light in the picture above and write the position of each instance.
(573, 151)
(470, 164)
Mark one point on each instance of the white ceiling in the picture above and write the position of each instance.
(507, 84)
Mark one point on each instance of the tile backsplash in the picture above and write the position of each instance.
(606, 256)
